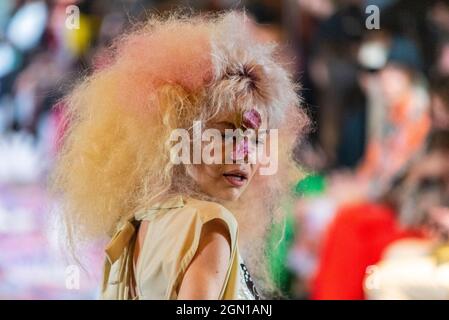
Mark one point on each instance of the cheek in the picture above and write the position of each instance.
(206, 173)
(254, 170)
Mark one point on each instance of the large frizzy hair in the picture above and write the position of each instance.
(163, 75)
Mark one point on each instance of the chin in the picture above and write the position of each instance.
(230, 195)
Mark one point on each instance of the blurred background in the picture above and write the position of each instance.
(370, 220)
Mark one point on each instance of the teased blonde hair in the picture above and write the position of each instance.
(164, 75)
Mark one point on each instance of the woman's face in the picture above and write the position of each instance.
(395, 81)
(229, 178)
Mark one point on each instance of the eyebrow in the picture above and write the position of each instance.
(226, 124)
(231, 125)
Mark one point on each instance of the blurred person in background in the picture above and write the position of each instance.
(373, 117)
(399, 127)
(413, 268)
(360, 233)
(346, 249)
(405, 118)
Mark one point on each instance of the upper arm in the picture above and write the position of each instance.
(206, 274)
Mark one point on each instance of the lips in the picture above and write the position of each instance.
(236, 178)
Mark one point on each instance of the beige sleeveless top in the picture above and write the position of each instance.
(171, 241)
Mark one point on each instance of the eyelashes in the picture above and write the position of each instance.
(257, 139)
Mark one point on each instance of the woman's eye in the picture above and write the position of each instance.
(228, 137)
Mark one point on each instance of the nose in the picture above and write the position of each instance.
(240, 151)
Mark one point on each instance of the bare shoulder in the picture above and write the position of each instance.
(208, 210)
(206, 274)
(215, 233)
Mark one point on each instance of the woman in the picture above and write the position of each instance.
(179, 230)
